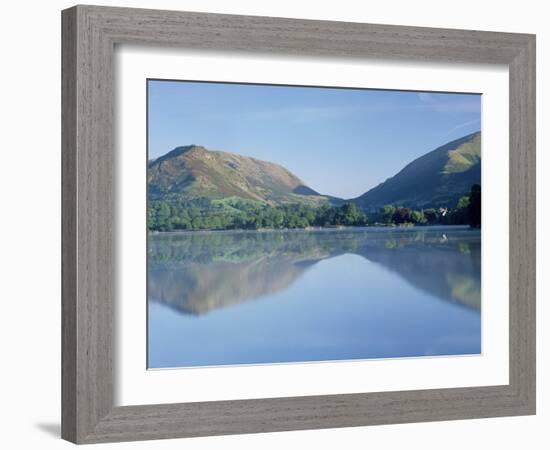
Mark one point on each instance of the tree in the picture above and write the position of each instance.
(459, 215)
(164, 211)
(402, 215)
(329, 217)
(151, 219)
(278, 218)
(430, 215)
(463, 202)
(387, 213)
(350, 214)
(309, 215)
(474, 207)
(198, 223)
(417, 217)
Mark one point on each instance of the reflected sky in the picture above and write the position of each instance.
(267, 297)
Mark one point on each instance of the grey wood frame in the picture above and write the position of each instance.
(88, 153)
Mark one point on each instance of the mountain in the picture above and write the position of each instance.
(193, 172)
(439, 178)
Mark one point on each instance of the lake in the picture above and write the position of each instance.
(251, 297)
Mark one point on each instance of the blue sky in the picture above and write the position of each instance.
(340, 142)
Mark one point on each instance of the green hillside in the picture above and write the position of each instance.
(439, 178)
(192, 188)
(193, 172)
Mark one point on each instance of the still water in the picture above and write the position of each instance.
(268, 297)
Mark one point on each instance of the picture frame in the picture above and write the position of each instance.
(89, 37)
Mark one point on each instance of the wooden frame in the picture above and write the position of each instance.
(89, 37)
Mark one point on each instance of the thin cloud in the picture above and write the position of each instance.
(463, 125)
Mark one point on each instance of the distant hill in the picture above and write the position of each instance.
(439, 178)
(193, 172)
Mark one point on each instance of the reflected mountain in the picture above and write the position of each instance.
(446, 265)
(196, 273)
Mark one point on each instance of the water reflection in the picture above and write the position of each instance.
(196, 273)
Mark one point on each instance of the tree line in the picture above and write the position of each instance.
(205, 214)
(208, 215)
(466, 212)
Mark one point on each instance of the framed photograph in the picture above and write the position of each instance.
(278, 224)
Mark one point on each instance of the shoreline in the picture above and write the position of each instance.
(319, 229)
